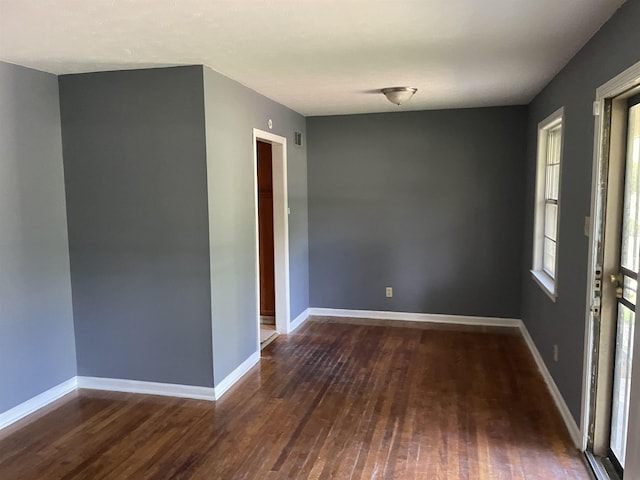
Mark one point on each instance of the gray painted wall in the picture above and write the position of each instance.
(428, 202)
(135, 173)
(232, 112)
(612, 50)
(37, 348)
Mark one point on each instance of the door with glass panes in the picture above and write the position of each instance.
(624, 279)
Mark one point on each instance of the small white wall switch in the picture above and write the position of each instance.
(389, 292)
(555, 352)
(587, 226)
(288, 211)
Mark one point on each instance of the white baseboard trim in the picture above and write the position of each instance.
(416, 317)
(36, 403)
(299, 320)
(129, 386)
(228, 381)
(569, 421)
(148, 388)
(206, 393)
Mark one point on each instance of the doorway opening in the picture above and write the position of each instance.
(614, 267)
(265, 243)
(272, 237)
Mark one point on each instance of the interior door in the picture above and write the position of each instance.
(265, 230)
(625, 281)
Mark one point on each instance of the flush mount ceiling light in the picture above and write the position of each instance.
(399, 95)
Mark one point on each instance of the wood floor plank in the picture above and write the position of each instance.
(349, 399)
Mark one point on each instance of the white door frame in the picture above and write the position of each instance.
(620, 84)
(280, 228)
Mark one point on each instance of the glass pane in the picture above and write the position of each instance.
(630, 225)
(553, 145)
(551, 221)
(621, 382)
(553, 180)
(549, 260)
(629, 289)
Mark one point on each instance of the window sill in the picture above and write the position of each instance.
(545, 282)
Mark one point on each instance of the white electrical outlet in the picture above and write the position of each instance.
(555, 352)
(389, 292)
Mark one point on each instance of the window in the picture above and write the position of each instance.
(547, 209)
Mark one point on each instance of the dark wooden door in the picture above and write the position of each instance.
(265, 230)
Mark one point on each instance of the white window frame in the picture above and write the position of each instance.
(548, 283)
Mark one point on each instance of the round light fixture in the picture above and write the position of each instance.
(399, 95)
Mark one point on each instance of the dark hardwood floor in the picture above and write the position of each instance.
(335, 400)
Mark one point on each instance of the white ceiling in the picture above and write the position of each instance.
(318, 57)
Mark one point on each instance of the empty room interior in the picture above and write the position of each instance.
(324, 239)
